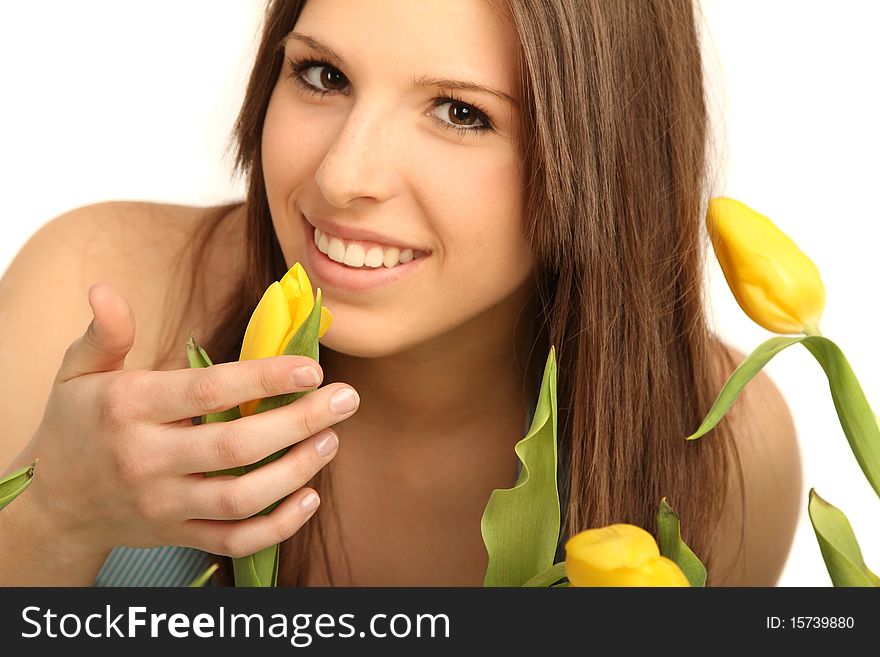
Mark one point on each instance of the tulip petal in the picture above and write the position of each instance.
(840, 549)
(268, 325)
(773, 281)
(856, 417)
(614, 547)
(326, 321)
(291, 288)
(265, 332)
(656, 572)
(520, 525)
(304, 343)
(664, 572)
(300, 298)
(772, 316)
(302, 278)
(619, 555)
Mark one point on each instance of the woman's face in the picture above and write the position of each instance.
(371, 138)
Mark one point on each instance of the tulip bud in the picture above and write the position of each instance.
(619, 555)
(772, 280)
(279, 315)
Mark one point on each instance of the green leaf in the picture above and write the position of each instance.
(202, 579)
(746, 371)
(258, 569)
(15, 483)
(520, 525)
(856, 418)
(549, 578)
(839, 546)
(674, 548)
(198, 357)
(853, 410)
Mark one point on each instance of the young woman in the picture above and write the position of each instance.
(490, 178)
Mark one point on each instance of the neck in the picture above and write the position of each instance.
(455, 401)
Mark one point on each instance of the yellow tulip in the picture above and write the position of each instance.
(619, 555)
(772, 280)
(283, 309)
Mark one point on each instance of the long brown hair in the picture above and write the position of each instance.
(615, 143)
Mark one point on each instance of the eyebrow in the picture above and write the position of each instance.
(421, 82)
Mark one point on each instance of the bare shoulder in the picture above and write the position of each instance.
(752, 543)
(136, 247)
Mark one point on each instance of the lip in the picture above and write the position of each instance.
(327, 273)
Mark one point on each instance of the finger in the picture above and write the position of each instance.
(235, 498)
(222, 445)
(187, 393)
(107, 340)
(239, 538)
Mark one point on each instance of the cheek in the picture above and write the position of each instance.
(289, 154)
(479, 208)
(289, 146)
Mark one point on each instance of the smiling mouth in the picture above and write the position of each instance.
(363, 255)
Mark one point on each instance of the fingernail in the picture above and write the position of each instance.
(309, 503)
(306, 377)
(327, 443)
(344, 401)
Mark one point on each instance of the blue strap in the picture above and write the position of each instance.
(162, 566)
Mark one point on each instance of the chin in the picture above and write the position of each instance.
(360, 346)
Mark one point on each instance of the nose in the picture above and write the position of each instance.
(359, 163)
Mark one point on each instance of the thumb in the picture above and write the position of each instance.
(107, 340)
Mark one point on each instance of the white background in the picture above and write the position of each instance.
(103, 100)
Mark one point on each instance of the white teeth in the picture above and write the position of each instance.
(321, 241)
(392, 257)
(354, 255)
(374, 257)
(336, 251)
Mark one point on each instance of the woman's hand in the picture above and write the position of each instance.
(121, 462)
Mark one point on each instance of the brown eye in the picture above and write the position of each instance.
(460, 115)
(327, 78)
